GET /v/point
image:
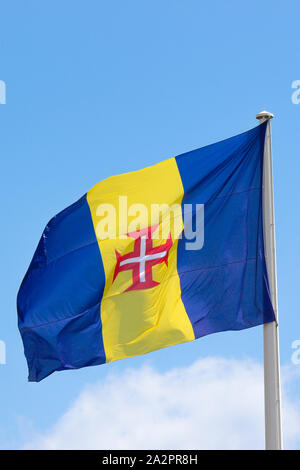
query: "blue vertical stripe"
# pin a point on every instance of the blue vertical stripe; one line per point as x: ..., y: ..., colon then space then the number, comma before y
x: 59, y: 299
x: 224, y: 285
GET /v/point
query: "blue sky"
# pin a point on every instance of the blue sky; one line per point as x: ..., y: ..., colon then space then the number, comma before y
x: 98, y: 88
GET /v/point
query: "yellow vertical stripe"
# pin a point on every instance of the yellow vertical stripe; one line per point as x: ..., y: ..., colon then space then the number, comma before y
x: 139, y: 321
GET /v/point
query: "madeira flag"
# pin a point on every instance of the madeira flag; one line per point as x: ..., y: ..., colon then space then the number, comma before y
x: 122, y: 271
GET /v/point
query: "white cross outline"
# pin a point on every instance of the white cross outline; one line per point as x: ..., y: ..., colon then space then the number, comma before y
x: 143, y: 258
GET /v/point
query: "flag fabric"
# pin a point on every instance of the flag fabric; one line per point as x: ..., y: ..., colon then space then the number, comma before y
x: 89, y: 297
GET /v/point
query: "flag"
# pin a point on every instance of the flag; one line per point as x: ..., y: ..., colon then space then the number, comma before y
x: 150, y: 259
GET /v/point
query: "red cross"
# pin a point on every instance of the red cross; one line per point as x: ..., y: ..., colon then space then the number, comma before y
x: 142, y: 259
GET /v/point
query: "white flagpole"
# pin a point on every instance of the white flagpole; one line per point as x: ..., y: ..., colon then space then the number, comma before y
x: 273, y: 432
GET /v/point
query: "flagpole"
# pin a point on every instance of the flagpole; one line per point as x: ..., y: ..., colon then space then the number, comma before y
x: 273, y: 432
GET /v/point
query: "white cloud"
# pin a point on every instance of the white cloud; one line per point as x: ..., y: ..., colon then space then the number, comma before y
x: 213, y: 404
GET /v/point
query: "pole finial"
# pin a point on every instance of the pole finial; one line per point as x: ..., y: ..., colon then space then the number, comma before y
x: 264, y: 116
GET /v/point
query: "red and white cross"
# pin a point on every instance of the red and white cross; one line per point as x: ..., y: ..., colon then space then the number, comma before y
x: 142, y: 259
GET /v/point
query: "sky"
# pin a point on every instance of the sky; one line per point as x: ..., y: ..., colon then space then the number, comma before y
x: 98, y: 88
